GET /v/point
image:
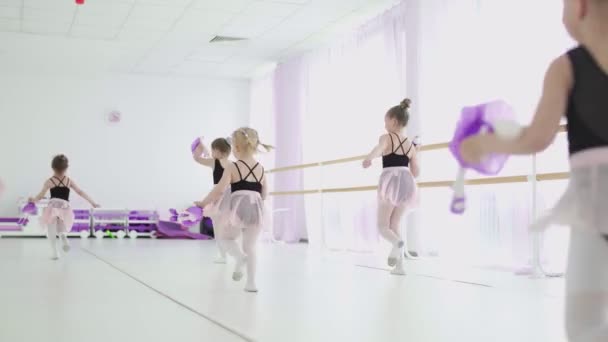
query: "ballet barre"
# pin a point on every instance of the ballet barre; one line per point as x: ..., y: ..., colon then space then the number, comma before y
x: 533, y: 178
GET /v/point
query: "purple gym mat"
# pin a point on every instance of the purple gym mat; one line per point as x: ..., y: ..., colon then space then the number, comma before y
x: 173, y: 230
x: 17, y: 227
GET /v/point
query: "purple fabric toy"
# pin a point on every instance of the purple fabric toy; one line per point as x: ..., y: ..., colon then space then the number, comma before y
x: 196, y: 143
x: 28, y: 210
x: 493, y: 117
x: 188, y: 218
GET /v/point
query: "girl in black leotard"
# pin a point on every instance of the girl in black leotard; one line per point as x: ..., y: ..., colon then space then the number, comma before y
x: 246, y: 206
x: 220, y: 152
x: 58, y: 216
x: 576, y: 86
x: 397, y: 187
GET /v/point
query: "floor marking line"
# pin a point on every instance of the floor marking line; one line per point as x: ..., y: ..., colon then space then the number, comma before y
x: 427, y: 276
x: 189, y: 308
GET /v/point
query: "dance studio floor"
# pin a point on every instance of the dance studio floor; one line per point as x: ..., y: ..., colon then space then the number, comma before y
x: 151, y: 290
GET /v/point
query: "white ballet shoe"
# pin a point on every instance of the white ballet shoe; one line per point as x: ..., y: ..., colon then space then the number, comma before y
x: 398, y: 270
x: 395, y: 254
x: 237, y: 275
x: 251, y: 288
x: 55, y: 252
x: 65, y: 244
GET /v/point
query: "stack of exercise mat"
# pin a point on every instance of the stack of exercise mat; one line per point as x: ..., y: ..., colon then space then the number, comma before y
x: 100, y: 223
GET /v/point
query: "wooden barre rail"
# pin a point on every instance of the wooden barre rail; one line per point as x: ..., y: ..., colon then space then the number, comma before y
x: 423, y: 148
x: 435, y: 184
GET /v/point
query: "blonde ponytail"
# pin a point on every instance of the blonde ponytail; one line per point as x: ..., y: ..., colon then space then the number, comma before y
x: 268, y: 148
x: 248, y: 140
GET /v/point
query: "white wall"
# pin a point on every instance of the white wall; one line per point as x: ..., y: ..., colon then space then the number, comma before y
x: 143, y: 162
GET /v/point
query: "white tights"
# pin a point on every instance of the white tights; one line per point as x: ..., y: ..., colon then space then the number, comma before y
x: 247, y: 256
x: 54, y: 229
x: 389, y: 221
x: 587, y: 288
x: 218, y: 233
x: 389, y: 226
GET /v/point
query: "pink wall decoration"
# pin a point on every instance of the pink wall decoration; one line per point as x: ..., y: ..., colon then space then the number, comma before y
x: 114, y: 117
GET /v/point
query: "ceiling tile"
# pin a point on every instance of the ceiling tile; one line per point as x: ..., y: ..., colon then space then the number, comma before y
x: 195, y: 67
x: 192, y: 39
x: 163, y: 36
x: 320, y: 14
x: 299, y: 2
x: 247, y: 64
x: 157, y: 64
x: 9, y: 25
x: 231, y: 70
x: 150, y: 13
x: 115, y: 1
x: 262, y: 49
x: 271, y: 9
x: 153, y: 17
x: 172, y: 3
x: 10, y: 12
x: 38, y: 14
x: 152, y: 25
x: 213, y: 53
x: 46, y: 27
x: 111, y: 21
x: 228, y: 5
x: 11, y: 3
x: 202, y: 21
x: 167, y: 53
x: 249, y: 27
x: 140, y: 35
x: 287, y: 33
x: 93, y: 32
x: 62, y: 5
x: 105, y: 8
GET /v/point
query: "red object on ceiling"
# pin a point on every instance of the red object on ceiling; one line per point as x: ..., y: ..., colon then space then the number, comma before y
x: 79, y: 2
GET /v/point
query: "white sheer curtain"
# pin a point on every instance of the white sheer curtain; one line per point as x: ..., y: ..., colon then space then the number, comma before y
x: 473, y: 51
x: 444, y: 54
x: 337, y: 97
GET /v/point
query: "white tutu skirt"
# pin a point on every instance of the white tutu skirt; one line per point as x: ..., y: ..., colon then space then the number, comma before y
x: 584, y: 204
x: 58, y: 209
x: 244, y: 210
x: 217, y: 210
x: 398, y: 187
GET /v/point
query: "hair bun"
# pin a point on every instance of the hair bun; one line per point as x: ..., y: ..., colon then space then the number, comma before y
x: 405, y: 104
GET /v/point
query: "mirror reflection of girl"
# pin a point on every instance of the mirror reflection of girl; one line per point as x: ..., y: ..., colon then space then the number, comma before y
x: 220, y: 151
x: 397, y: 187
x: 58, y: 216
x: 246, y: 205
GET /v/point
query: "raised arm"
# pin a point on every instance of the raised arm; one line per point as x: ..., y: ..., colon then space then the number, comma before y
x: 377, y: 151
x: 45, y: 188
x: 82, y: 194
x: 198, y: 153
x: 540, y: 134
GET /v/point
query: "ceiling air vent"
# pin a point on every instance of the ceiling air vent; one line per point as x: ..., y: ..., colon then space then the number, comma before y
x: 221, y: 39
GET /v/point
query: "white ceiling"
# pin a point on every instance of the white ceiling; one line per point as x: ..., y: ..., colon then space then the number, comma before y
x: 170, y: 37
